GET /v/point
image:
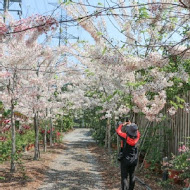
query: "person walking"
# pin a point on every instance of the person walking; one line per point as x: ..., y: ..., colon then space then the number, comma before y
x: 123, y: 129
x: 129, y: 157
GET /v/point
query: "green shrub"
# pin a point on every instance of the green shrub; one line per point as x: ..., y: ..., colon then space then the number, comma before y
x: 5, y: 150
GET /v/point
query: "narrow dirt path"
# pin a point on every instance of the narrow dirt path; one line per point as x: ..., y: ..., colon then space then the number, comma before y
x: 76, y: 168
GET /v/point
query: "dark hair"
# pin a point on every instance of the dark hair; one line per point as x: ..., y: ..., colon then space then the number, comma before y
x: 127, y: 119
x: 124, y: 119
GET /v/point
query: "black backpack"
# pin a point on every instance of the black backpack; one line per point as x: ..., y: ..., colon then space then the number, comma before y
x: 130, y: 153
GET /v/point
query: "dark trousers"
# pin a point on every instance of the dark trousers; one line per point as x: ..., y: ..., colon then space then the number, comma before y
x: 127, y: 169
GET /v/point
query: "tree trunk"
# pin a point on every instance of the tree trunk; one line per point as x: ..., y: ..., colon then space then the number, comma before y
x: 106, y: 136
x: 83, y: 122
x: 135, y: 117
x: 61, y: 125
x: 45, y: 139
x: 36, y: 150
x: 118, y: 139
x: 51, y: 132
x: 109, y: 134
x: 13, y: 138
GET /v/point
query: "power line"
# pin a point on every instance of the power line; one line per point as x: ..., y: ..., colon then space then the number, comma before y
x: 42, y: 71
x: 63, y: 35
x: 7, y: 4
x: 96, y: 14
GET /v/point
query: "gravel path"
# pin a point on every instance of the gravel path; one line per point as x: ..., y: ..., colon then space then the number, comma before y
x: 76, y: 168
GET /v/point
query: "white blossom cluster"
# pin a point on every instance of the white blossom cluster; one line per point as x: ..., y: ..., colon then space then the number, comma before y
x: 172, y: 110
x: 107, y: 75
x: 152, y: 107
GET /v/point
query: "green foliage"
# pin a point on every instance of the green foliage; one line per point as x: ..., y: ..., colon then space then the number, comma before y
x: 24, y: 139
x: 166, y: 185
x: 155, y: 145
x: 21, y: 167
x: 21, y: 141
x: 66, y: 2
x: 2, y: 178
x: 99, y: 134
x: 186, y: 29
x: 109, y: 97
x: 99, y: 33
x: 65, y: 122
x: 185, y: 175
x: 5, y: 150
x: 178, y: 103
x: 65, y: 87
x: 100, y: 4
x: 135, y: 84
x: 104, y: 50
x: 6, y: 113
x: 58, y: 137
x: 143, y: 13
x: 89, y: 73
x: 179, y: 88
x: 98, y: 126
x: 181, y: 161
x: 1, y: 105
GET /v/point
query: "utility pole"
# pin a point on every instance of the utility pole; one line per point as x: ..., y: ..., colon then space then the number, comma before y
x: 63, y: 36
x: 7, y: 7
x: 60, y: 28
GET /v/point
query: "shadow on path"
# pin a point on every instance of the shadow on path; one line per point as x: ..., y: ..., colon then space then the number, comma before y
x: 76, y: 168
x: 75, y: 180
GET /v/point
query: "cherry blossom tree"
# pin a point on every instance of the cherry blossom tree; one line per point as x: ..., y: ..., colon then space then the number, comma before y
x: 118, y: 63
x: 134, y: 72
x: 19, y: 54
x: 130, y: 74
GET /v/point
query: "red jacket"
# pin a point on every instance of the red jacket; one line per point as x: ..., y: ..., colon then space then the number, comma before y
x: 130, y: 141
